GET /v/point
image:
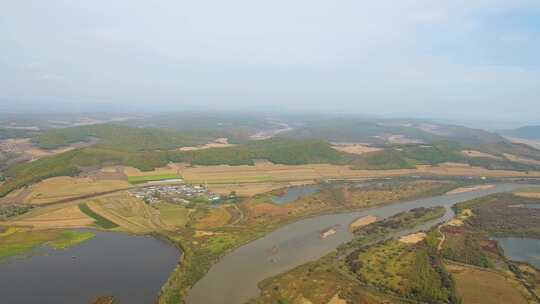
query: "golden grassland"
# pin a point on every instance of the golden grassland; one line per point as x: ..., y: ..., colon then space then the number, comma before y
x: 477, y: 286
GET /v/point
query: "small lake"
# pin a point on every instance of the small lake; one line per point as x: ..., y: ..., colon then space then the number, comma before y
x: 293, y: 193
x: 130, y: 268
x: 234, y: 278
x: 521, y: 249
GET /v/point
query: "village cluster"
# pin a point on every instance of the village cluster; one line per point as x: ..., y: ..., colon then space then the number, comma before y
x: 184, y: 193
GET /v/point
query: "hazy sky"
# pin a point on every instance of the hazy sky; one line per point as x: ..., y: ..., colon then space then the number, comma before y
x: 458, y: 58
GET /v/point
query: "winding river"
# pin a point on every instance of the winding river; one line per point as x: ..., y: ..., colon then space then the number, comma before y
x: 131, y: 268
x: 235, y: 277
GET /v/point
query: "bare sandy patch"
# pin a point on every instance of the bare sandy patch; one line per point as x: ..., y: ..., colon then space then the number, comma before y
x: 413, y: 238
x: 362, y: 221
x: 328, y: 233
x: 475, y: 153
x: 202, y: 233
x: 218, y: 143
x: 354, y: 148
x: 469, y: 189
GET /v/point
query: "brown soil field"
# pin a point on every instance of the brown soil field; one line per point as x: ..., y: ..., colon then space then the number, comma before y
x: 469, y: 189
x: 474, y: 153
x: 354, y: 148
x: 64, y: 187
x: 476, y: 286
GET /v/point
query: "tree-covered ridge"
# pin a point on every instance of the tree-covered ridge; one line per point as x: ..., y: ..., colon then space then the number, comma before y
x: 376, y: 131
x: 118, y: 137
x: 276, y: 150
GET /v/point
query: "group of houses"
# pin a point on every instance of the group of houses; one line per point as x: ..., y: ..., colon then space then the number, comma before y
x: 183, y: 193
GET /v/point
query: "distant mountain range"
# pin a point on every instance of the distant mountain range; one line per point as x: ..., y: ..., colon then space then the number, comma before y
x: 528, y: 132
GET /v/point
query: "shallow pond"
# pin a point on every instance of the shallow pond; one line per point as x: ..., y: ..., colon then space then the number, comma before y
x: 235, y: 277
x: 293, y: 193
x: 130, y: 268
x: 521, y: 249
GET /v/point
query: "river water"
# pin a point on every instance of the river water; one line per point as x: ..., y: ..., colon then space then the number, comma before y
x: 521, y: 249
x: 130, y: 268
x: 235, y: 277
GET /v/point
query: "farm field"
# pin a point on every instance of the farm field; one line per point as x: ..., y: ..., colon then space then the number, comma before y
x: 477, y: 286
x: 264, y: 175
x: 64, y: 187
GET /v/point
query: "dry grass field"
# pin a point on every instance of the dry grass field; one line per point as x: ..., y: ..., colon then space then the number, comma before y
x: 129, y: 213
x: 354, y: 148
x: 64, y: 187
x: 65, y: 216
x: 215, y: 218
x: 476, y: 286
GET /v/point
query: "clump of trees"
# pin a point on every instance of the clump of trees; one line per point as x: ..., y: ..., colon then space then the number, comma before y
x: 8, y: 211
